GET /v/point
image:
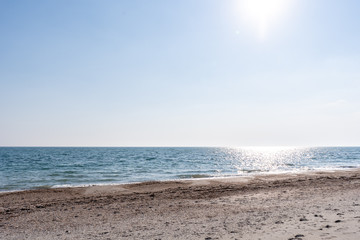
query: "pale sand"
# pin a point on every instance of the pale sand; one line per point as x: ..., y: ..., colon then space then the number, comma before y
x: 312, y: 206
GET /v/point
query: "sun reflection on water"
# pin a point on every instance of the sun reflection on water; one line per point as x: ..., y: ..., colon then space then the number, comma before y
x: 265, y: 159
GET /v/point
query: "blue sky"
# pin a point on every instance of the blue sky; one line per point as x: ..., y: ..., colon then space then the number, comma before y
x: 179, y: 73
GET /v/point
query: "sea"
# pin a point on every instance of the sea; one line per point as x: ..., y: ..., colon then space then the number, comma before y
x: 23, y: 168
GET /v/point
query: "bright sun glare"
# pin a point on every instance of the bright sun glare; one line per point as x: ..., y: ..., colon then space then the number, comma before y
x: 263, y: 14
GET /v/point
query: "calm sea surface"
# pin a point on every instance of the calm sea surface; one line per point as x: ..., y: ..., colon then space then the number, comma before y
x: 37, y: 167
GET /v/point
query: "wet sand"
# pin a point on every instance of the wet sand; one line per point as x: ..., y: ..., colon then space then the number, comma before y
x: 320, y: 205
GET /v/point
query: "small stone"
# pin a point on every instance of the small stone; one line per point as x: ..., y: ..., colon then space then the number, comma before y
x: 299, y: 236
x: 328, y: 226
x: 337, y: 221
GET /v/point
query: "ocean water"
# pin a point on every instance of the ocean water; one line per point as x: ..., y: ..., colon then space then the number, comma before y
x: 45, y: 167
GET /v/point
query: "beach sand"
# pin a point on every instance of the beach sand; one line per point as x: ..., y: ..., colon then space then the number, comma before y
x: 321, y: 205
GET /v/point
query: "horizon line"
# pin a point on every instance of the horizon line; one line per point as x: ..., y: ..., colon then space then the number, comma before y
x: 180, y: 146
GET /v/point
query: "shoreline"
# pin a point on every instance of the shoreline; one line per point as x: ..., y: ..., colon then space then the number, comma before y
x: 275, y: 206
x: 249, y: 175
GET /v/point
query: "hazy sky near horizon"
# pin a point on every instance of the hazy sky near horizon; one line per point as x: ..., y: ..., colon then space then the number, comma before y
x: 180, y: 73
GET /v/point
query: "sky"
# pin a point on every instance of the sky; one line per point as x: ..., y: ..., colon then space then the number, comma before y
x: 180, y: 73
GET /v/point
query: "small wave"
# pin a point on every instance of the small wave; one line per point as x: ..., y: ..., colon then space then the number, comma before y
x: 43, y: 187
x: 69, y: 172
x: 289, y: 164
x: 111, y: 175
x: 107, y: 179
x: 194, y: 176
x: 252, y: 170
x: 90, y: 184
x: 349, y: 166
x: 55, y: 174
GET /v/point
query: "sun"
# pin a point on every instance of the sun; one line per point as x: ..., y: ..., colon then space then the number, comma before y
x: 263, y: 14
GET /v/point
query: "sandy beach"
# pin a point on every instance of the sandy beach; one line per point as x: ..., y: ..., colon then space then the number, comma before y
x: 321, y: 205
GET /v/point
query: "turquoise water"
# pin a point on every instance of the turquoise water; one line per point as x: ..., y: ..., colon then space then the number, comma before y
x: 28, y: 168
